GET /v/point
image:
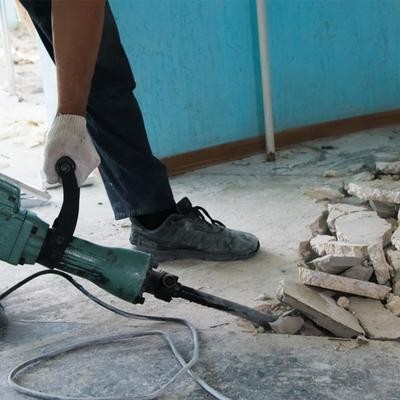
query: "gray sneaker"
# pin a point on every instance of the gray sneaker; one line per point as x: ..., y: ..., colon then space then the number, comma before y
x: 188, y: 234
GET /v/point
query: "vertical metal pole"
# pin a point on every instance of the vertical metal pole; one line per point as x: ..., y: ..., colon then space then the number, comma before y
x: 265, y: 77
x: 7, y: 49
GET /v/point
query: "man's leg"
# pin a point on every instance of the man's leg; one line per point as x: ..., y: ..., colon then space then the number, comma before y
x: 136, y: 182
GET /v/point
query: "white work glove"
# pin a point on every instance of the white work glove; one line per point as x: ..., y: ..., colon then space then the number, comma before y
x: 68, y: 136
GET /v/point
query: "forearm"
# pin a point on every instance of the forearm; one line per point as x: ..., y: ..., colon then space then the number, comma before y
x: 77, y: 30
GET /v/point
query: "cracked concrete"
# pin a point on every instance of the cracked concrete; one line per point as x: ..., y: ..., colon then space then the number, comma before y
x: 266, y: 199
x: 263, y: 198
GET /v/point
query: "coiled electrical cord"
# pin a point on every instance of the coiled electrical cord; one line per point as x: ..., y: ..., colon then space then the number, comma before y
x: 186, y: 366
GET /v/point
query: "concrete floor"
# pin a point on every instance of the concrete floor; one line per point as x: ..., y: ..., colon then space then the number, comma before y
x: 265, y: 199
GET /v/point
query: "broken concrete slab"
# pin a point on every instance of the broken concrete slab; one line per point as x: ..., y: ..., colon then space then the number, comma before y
x: 393, y: 256
x: 381, y: 267
x: 396, y: 239
x: 319, y: 226
x: 318, y: 243
x: 390, y: 168
x: 393, y: 304
x: 364, y: 227
x: 360, y: 272
x: 343, y: 302
x: 378, y: 322
x: 381, y: 190
x: 338, y: 210
x: 320, y: 309
x: 335, y: 248
x: 335, y: 264
x: 384, y: 210
x: 287, y: 325
x: 324, y: 193
x: 342, y: 284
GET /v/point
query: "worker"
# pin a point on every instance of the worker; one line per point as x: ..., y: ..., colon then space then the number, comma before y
x: 99, y: 124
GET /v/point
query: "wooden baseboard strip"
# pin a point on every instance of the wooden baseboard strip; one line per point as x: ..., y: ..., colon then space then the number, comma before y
x: 243, y: 148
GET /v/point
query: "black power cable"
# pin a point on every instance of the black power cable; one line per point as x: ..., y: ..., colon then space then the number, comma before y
x: 186, y: 366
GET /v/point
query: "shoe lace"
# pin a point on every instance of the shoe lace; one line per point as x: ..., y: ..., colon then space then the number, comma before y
x: 202, y: 213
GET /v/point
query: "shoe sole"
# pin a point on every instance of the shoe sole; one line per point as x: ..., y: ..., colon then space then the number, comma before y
x: 170, y: 255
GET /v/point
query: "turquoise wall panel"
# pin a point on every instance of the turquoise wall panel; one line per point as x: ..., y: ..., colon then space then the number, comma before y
x: 333, y: 59
x: 196, y: 67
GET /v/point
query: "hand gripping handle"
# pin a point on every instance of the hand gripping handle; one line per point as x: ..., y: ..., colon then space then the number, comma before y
x: 61, y: 234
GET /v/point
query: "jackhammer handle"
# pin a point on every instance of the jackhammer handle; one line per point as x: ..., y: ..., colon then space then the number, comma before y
x: 68, y: 217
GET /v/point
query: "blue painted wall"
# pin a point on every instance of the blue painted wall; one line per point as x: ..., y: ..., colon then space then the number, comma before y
x: 196, y: 65
x: 333, y: 59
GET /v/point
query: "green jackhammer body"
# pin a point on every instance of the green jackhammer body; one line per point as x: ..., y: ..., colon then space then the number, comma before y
x: 120, y: 272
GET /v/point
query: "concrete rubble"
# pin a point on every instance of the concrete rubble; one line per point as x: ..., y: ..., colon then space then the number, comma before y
x: 380, y: 190
x: 342, y: 284
x: 391, y: 168
x: 378, y: 259
x: 364, y: 227
x: 320, y: 309
x: 393, y: 304
x: 396, y: 239
x: 360, y: 272
x: 377, y: 321
x: 318, y: 243
x: 349, y: 281
x: 393, y: 256
x: 335, y: 264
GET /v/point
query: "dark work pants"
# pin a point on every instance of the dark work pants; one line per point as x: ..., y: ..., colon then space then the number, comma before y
x: 136, y: 182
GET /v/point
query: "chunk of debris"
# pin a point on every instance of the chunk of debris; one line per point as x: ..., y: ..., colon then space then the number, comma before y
x: 364, y: 227
x: 360, y: 272
x: 305, y: 250
x: 343, y: 284
x: 338, y: 210
x: 330, y: 173
x: 390, y: 168
x: 393, y: 257
x: 319, y: 226
x: 381, y: 190
x: 361, y: 340
x: 287, y: 325
x: 377, y: 321
x: 335, y: 264
x: 324, y: 193
x: 396, y: 239
x: 335, y: 248
x: 319, y: 242
x: 343, y: 302
x: 320, y: 309
x: 381, y: 267
x: 384, y: 210
x: 393, y: 304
